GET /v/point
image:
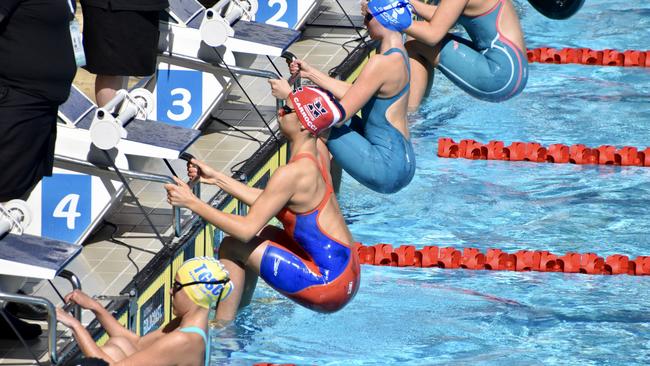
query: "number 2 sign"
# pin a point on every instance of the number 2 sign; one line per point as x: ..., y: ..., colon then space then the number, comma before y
x: 281, y: 13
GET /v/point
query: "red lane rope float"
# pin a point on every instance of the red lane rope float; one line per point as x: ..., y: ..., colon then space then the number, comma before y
x: 533, y: 151
x: 586, y: 56
x: 498, y: 260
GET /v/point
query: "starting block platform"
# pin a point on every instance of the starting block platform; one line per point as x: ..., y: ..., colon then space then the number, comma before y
x: 34, y: 257
x: 187, y: 95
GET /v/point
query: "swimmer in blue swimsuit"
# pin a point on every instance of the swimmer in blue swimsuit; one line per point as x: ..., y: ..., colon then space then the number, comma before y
x: 199, y: 283
x: 311, y: 260
x: 490, y: 66
x: 375, y: 148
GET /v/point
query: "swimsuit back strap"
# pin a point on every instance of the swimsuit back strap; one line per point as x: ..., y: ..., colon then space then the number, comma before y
x: 406, y: 59
x: 206, y: 340
x: 321, y: 167
x: 408, y: 70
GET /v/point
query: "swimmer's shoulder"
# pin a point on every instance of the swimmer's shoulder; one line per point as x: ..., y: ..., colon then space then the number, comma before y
x: 379, y: 64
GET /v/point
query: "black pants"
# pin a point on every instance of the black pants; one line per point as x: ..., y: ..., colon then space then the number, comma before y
x: 120, y: 42
x: 27, y: 138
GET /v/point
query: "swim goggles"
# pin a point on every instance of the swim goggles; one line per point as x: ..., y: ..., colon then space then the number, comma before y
x: 285, y: 110
x: 177, y: 286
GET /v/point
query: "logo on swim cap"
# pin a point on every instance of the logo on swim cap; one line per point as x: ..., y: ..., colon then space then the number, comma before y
x: 395, y: 15
x: 204, y: 269
x: 317, y: 109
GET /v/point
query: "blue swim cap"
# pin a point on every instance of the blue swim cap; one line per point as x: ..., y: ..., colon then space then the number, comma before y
x: 395, y: 15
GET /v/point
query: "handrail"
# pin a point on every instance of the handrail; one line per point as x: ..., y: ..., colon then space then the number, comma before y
x: 213, y: 66
x: 149, y: 177
x: 76, y: 285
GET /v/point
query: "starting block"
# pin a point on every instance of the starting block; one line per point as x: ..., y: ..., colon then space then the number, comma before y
x: 196, y: 44
x: 68, y: 205
x: 25, y: 255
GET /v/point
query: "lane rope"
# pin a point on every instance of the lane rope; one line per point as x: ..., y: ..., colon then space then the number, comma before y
x: 535, y: 152
x: 499, y: 260
x: 587, y: 56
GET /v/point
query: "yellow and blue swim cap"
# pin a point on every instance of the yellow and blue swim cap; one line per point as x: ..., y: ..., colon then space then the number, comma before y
x: 209, y: 272
x: 395, y: 15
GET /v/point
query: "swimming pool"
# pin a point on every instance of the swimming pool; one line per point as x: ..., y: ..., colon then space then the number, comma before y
x: 431, y: 316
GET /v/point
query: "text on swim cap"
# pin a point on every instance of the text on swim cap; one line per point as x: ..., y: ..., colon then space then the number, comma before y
x: 304, y: 115
x: 204, y: 275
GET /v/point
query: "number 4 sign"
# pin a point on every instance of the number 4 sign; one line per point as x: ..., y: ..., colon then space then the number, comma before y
x: 282, y: 13
x: 66, y: 206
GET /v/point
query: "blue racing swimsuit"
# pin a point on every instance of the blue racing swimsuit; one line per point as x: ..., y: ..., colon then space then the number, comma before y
x: 489, y: 67
x: 371, y: 150
x: 206, y: 339
x: 309, y: 266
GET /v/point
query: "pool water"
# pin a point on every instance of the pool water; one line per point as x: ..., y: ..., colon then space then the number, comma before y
x: 431, y: 316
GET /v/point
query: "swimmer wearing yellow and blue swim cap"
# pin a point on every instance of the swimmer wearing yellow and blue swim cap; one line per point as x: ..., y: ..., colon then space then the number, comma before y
x: 204, y: 280
x: 199, y: 283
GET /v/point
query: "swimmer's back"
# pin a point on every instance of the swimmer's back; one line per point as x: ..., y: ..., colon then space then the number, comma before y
x: 310, y: 190
x: 391, y: 67
x: 509, y: 25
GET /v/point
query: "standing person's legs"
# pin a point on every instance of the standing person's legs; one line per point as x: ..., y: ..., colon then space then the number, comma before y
x: 119, y: 44
x: 106, y: 86
x: 27, y: 139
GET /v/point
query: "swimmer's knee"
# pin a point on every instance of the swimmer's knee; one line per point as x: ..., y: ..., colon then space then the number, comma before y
x: 227, y: 248
x: 122, y: 344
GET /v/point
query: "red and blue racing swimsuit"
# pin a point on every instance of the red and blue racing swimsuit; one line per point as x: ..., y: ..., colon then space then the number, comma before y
x: 309, y: 266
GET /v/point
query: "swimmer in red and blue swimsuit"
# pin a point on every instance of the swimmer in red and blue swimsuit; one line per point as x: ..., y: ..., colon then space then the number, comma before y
x: 491, y: 65
x: 311, y: 260
x: 308, y: 265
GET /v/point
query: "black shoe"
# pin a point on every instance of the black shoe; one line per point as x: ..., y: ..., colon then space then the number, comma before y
x: 26, y: 311
x: 27, y: 331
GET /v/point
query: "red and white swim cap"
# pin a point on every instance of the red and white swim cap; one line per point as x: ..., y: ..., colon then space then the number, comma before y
x: 317, y: 109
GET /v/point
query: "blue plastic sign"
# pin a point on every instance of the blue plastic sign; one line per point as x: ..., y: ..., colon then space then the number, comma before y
x: 179, y: 95
x: 66, y: 206
x: 281, y: 13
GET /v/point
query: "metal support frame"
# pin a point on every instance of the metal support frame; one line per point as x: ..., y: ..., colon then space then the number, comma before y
x: 149, y: 177
x: 51, y: 310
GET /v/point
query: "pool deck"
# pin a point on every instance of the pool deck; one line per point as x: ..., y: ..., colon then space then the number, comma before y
x: 103, y: 266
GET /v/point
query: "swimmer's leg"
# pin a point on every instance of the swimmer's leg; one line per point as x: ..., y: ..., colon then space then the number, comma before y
x: 377, y: 165
x: 242, y: 260
x: 423, y: 59
x: 118, y: 348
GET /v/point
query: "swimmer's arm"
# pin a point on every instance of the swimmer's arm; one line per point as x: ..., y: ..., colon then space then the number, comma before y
x: 337, y: 87
x: 424, y: 10
x: 433, y: 31
x: 111, y: 325
x: 87, y: 344
x: 239, y: 190
x: 366, y: 85
x: 275, y: 196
